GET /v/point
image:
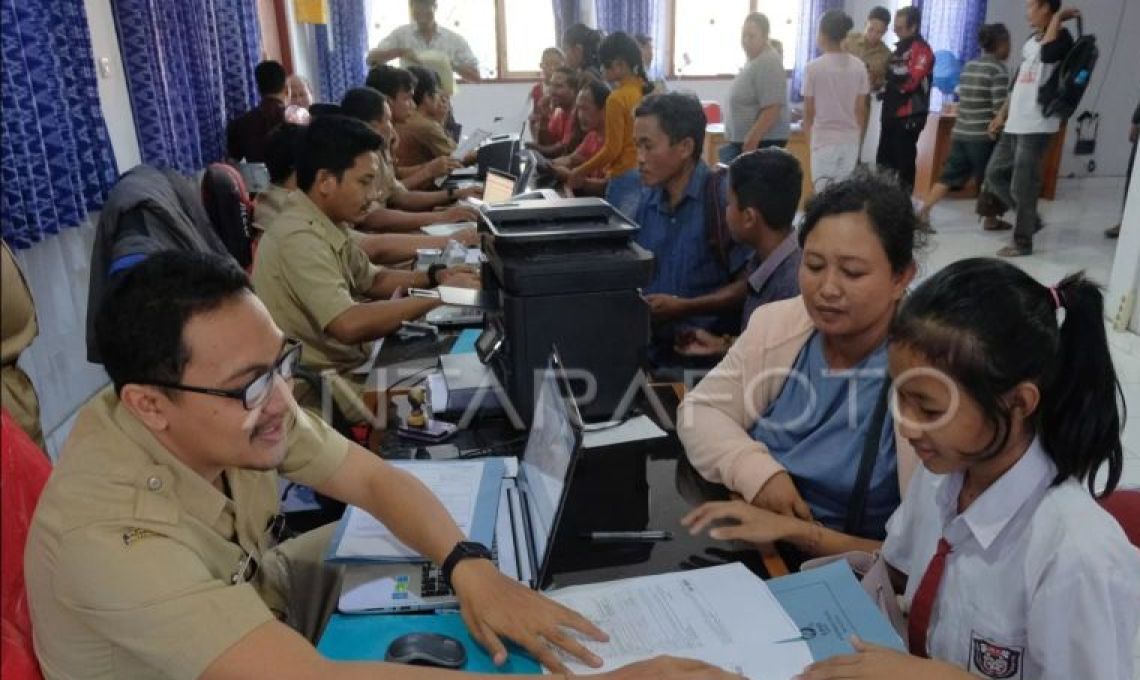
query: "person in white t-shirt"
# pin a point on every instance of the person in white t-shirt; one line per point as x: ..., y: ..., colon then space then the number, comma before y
x: 836, y: 90
x: 425, y: 35
x: 1014, y: 171
x: 1008, y: 566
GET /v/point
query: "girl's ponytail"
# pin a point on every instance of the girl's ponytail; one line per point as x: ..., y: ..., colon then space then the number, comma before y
x: 1081, y: 418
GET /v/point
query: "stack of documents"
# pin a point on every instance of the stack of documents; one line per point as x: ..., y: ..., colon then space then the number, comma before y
x: 723, y: 615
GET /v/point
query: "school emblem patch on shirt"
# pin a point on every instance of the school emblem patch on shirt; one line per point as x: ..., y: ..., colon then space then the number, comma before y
x: 995, y: 661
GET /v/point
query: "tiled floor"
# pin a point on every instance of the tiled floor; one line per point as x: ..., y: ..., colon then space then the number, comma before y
x: 1072, y: 240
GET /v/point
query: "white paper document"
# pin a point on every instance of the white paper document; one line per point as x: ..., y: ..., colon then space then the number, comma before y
x: 455, y: 484
x: 723, y: 615
x: 635, y: 429
x: 469, y: 144
x: 447, y: 229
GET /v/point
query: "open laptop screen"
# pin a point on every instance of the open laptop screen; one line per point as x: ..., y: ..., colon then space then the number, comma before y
x: 498, y: 187
x: 548, y: 459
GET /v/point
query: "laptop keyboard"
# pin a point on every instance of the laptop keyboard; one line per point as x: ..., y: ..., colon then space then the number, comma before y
x: 432, y: 583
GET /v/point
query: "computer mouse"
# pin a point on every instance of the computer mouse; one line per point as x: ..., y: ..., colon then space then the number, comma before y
x: 427, y: 649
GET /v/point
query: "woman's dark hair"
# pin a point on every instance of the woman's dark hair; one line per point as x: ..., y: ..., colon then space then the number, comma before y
x: 391, y: 80
x: 427, y: 83
x: 990, y: 326
x: 679, y: 115
x: 281, y: 151
x: 880, y: 13
x: 835, y: 24
x: 619, y: 45
x: 588, y: 38
x: 599, y: 92
x: 770, y: 182
x: 140, y: 322
x: 992, y: 35
x: 886, y: 205
x: 912, y: 16
x: 332, y: 143
x: 364, y: 104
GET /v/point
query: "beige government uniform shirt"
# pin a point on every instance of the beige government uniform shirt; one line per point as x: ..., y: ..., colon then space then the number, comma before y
x: 876, y: 57
x: 269, y: 204
x: 17, y: 330
x: 422, y: 140
x: 133, y: 560
x: 388, y: 186
x: 308, y: 271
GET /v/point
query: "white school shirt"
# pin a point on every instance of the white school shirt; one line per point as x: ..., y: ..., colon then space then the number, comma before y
x: 1041, y: 583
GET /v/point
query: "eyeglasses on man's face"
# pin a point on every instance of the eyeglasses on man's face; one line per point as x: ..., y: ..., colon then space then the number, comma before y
x: 256, y: 392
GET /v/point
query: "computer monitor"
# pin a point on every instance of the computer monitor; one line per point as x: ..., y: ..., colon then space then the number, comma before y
x: 549, y: 458
x: 499, y: 186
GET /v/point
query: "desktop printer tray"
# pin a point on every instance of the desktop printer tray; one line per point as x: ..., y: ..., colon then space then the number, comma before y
x: 569, y: 267
x: 559, y: 219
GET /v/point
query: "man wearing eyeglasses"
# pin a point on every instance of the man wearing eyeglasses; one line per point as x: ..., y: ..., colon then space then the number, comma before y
x: 151, y: 553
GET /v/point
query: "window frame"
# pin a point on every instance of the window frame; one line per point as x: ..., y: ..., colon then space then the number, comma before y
x: 671, y: 45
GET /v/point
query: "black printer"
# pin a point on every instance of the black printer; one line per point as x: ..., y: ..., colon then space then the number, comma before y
x: 565, y: 272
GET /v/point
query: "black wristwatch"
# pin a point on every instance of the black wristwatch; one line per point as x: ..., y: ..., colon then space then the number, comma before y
x: 464, y: 550
x: 433, y: 274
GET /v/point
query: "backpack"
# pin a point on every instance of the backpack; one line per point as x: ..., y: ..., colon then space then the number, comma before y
x: 230, y: 210
x: 1061, y: 94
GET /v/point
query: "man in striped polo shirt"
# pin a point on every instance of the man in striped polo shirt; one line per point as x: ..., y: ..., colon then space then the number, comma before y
x: 982, y: 90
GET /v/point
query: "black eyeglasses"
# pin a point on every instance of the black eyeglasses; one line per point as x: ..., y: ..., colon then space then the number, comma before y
x: 257, y: 391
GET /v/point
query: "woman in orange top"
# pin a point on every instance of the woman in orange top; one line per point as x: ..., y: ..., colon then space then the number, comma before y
x: 621, y: 64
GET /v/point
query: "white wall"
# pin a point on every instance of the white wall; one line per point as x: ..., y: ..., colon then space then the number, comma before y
x: 1115, y: 87
x: 112, y: 83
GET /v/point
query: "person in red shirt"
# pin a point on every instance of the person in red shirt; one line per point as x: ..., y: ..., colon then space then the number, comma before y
x: 559, y: 136
x: 906, y: 97
x: 539, y: 97
x: 591, y: 105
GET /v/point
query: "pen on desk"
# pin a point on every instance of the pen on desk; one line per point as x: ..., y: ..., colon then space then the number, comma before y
x: 629, y: 536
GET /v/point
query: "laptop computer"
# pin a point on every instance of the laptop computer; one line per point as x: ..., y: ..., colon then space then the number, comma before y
x: 530, y: 508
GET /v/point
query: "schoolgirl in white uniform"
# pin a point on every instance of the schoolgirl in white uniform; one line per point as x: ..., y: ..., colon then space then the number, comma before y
x: 1007, y: 565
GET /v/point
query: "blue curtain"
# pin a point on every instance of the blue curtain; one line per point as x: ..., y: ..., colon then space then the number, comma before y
x: 953, y: 25
x: 56, y: 160
x: 631, y: 16
x: 566, y: 14
x: 810, y: 14
x: 189, y: 67
x: 341, y: 47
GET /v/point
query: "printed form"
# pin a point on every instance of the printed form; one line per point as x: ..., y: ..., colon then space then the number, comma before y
x: 723, y: 615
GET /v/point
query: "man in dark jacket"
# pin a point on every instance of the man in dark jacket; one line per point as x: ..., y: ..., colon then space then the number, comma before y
x: 906, y: 97
x: 246, y: 134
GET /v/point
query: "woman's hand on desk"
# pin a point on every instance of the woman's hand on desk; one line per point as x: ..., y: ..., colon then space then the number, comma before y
x: 494, y: 606
x: 871, y: 662
x: 752, y: 524
x: 779, y: 494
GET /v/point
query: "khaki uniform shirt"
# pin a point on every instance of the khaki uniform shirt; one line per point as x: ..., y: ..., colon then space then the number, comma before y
x: 308, y: 271
x: 875, y: 57
x: 17, y: 330
x: 269, y: 204
x: 388, y: 186
x: 422, y: 140
x: 133, y: 561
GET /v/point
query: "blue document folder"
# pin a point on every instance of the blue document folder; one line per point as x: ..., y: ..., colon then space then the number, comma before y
x: 366, y: 638
x: 465, y: 343
x: 829, y: 605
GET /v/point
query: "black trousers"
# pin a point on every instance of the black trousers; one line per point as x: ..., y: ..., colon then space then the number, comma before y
x: 898, y: 147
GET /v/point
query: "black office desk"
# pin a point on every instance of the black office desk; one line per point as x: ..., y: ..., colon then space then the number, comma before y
x: 628, y: 487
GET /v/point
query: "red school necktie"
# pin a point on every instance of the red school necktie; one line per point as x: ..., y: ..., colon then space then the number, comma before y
x: 922, y: 606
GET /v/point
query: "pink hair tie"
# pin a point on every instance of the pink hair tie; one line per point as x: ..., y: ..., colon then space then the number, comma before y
x: 1058, y: 302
